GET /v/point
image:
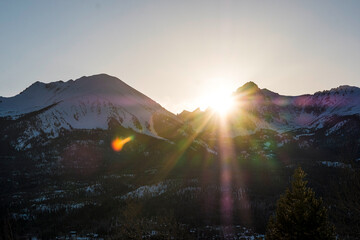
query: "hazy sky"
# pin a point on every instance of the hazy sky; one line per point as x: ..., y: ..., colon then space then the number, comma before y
x: 174, y: 51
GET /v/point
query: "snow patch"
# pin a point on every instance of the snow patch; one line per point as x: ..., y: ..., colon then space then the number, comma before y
x: 147, y: 191
x: 335, y: 164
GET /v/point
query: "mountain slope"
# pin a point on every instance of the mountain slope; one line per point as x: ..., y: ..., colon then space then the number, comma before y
x: 95, y: 102
x: 63, y: 174
x: 262, y: 109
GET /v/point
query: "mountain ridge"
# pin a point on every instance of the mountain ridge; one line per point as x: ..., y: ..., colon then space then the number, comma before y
x: 58, y: 160
x: 86, y: 103
x: 102, y: 101
x: 263, y: 109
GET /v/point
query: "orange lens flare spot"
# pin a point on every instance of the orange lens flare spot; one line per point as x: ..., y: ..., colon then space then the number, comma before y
x: 118, y: 143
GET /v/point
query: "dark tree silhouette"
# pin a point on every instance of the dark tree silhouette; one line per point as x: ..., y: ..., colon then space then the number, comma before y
x: 299, y: 214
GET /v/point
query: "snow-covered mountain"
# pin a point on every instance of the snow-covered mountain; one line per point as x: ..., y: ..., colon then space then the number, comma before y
x: 56, y: 157
x: 263, y: 109
x: 95, y: 102
x: 103, y: 102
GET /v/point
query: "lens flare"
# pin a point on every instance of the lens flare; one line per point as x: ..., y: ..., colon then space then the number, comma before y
x: 118, y: 143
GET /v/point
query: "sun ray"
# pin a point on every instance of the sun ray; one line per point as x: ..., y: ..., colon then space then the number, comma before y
x: 231, y: 176
x: 177, y: 155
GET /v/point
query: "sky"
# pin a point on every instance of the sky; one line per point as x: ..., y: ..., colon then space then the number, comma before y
x: 176, y: 52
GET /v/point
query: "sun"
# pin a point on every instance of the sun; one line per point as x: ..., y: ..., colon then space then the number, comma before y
x: 221, y: 103
x: 219, y: 99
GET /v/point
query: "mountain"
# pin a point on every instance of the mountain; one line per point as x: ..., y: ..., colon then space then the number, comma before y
x: 330, y: 111
x: 95, y: 102
x: 59, y: 173
x: 103, y: 102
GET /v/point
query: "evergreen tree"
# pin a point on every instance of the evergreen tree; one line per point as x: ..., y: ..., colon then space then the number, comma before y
x: 299, y: 215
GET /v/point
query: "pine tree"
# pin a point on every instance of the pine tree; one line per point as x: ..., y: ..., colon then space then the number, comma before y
x: 299, y: 215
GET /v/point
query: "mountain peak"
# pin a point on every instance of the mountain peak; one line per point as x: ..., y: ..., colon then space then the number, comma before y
x: 101, y: 76
x: 248, y: 88
x: 341, y: 90
x: 100, y: 88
